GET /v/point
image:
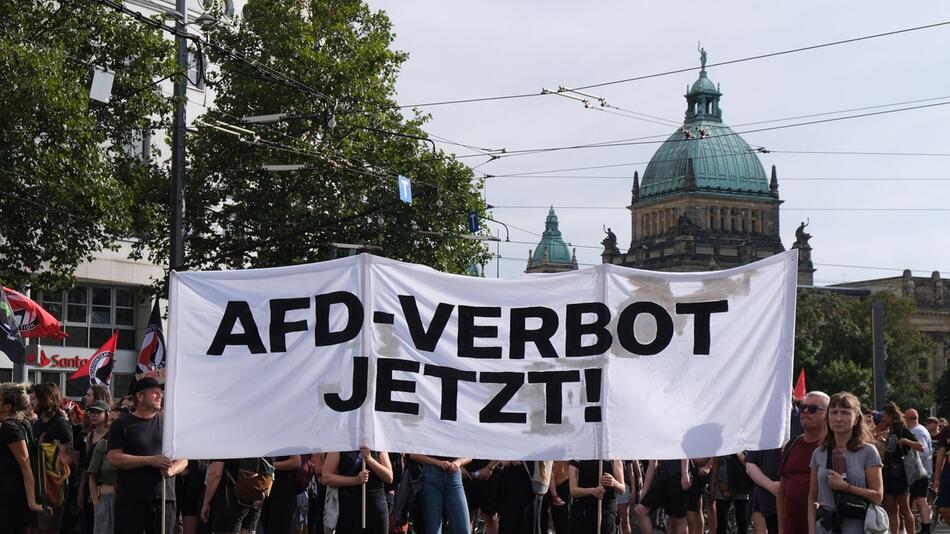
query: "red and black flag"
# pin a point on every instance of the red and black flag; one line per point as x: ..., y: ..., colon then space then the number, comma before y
x: 34, y: 321
x: 10, y: 341
x: 152, y: 353
x: 97, y: 370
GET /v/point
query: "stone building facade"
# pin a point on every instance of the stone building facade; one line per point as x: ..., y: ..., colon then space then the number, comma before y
x: 932, y: 297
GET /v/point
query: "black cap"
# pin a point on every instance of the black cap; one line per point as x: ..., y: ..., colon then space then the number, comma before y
x: 145, y: 383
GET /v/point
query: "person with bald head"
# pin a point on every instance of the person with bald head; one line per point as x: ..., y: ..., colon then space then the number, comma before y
x: 919, y: 489
x: 795, y: 467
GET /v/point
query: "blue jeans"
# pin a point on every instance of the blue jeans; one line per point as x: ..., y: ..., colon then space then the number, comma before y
x: 442, y: 493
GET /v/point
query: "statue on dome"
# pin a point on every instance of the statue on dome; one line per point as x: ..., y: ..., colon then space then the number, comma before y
x: 702, y: 54
x: 610, y: 242
x: 801, y: 236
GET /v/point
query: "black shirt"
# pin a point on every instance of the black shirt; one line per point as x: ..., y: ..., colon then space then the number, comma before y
x: 588, y: 477
x: 768, y: 462
x: 139, y: 437
x: 285, y: 487
x: 11, y: 477
x: 56, y: 429
x: 893, y: 453
x: 669, y: 468
x: 351, y: 464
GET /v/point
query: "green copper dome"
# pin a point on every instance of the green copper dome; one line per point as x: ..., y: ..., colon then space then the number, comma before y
x: 721, y: 161
x: 552, y: 248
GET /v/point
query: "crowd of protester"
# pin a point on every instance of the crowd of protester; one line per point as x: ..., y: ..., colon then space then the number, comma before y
x: 97, y: 467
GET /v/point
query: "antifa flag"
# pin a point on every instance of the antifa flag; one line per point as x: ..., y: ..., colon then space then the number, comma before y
x: 98, y: 370
x: 34, y: 321
x: 10, y: 341
x: 152, y: 353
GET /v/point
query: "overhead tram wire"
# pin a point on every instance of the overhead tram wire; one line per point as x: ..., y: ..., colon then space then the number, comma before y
x: 269, y: 73
x: 530, y: 151
x: 783, y: 119
x: 686, y: 69
x: 783, y: 179
x: 611, y: 208
x: 760, y: 150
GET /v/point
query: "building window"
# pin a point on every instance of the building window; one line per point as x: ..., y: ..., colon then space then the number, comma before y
x: 91, y: 314
x: 196, y: 70
x: 6, y: 375
x: 140, y: 144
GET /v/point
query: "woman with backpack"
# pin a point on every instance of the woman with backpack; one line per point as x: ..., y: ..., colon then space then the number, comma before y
x: 17, y: 496
x: 898, y: 440
x: 845, y: 471
x: 349, y: 471
x: 51, y: 426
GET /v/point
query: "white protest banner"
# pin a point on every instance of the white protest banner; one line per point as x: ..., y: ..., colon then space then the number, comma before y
x: 605, y: 362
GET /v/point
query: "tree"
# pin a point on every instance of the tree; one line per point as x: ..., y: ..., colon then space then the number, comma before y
x: 347, y: 130
x: 66, y: 181
x: 833, y: 344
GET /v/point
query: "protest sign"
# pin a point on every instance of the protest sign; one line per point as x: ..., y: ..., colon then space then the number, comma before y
x: 605, y: 362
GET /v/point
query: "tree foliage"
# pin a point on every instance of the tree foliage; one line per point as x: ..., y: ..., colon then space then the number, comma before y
x: 66, y: 184
x: 833, y: 343
x: 354, y: 143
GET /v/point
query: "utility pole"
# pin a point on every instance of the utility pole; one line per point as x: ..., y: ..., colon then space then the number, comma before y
x: 879, y: 356
x: 176, y: 258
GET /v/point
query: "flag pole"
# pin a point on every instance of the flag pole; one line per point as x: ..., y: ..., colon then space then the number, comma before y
x: 364, y: 506
x: 600, y: 510
x: 164, y: 491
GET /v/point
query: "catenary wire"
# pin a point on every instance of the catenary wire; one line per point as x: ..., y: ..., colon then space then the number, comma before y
x: 686, y: 69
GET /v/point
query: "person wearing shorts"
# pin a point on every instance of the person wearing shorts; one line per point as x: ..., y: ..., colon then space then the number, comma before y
x: 666, y: 486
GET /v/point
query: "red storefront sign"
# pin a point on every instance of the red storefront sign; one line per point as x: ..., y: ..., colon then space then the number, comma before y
x: 55, y: 361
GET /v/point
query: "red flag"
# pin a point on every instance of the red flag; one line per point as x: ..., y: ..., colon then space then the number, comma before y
x: 800, y: 385
x: 152, y: 353
x: 97, y: 370
x: 33, y: 320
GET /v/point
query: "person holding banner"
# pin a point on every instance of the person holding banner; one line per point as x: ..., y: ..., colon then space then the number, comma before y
x: 17, y: 492
x: 145, y: 483
x: 595, y: 484
x: 442, y: 493
x: 373, y: 471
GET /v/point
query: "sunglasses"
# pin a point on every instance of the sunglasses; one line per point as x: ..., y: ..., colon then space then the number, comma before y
x: 811, y: 408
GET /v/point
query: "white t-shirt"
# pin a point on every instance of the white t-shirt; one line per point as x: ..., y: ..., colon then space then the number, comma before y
x: 926, y: 455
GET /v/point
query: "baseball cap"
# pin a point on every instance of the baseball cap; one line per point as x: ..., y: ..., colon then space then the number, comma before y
x: 101, y: 406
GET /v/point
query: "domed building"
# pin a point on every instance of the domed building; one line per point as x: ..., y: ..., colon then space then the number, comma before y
x: 551, y: 254
x: 705, y: 201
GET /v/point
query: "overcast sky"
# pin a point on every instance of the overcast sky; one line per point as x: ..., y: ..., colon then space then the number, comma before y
x: 475, y: 49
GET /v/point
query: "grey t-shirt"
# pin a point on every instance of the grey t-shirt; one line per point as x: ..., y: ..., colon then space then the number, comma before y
x: 857, y: 463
